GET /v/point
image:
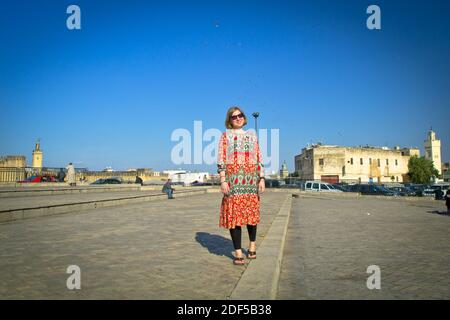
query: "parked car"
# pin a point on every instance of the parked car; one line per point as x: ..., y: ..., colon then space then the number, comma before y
x: 320, y: 187
x: 289, y: 186
x: 371, y: 189
x: 38, y: 179
x: 402, y: 191
x: 108, y: 181
x: 272, y: 183
x: 200, y: 184
x: 439, y: 191
x: 342, y: 187
x: 428, y: 191
x: 416, y: 188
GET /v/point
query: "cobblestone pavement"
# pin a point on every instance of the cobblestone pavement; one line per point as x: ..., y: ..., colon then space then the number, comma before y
x: 331, y: 242
x: 165, y: 249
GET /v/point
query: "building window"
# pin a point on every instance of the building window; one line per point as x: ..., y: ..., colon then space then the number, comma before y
x: 396, y: 178
x: 361, y: 161
x: 351, y: 160
x: 396, y: 162
x: 321, y: 162
x: 387, y: 162
x: 378, y: 162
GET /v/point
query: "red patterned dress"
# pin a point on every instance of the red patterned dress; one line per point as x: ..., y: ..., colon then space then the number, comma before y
x: 239, y: 156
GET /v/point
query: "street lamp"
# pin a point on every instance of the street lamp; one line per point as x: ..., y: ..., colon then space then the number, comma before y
x: 256, y: 115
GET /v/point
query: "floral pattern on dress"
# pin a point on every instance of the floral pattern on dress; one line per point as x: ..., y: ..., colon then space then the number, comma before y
x: 239, y: 156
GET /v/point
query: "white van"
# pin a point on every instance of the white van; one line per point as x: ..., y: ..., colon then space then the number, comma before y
x: 320, y: 186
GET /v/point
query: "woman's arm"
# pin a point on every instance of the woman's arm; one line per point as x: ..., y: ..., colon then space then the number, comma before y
x: 260, y: 169
x: 221, y: 163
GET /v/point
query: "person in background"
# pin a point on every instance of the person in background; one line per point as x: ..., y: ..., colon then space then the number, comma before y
x: 61, y: 175
x: 71, y: 175
x: 439, y: 194
x: 167, y: 188
x: 139, y: 180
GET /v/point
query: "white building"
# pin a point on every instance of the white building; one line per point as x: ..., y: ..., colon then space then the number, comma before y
x: 187, y: 178
x: 433, y: 150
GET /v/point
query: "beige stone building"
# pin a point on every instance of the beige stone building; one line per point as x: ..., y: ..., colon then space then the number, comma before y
x: 12, y: 168
x: 13, y: 162
x: 353, y: 164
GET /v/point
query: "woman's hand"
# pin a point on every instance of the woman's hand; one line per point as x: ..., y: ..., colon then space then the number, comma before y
x: 261, y: 186
x: 225, y: 188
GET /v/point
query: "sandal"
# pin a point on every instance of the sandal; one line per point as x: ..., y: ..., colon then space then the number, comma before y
x: 251, y: 254
x: 238, y: 261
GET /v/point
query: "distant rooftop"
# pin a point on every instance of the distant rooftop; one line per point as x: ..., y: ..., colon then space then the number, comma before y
x: 319, y: 144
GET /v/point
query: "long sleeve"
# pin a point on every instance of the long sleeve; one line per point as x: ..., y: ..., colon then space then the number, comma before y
x: 259, y: 161
x: 222, y: 153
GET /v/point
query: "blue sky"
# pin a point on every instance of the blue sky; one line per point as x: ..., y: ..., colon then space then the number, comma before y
x: 112, y: 93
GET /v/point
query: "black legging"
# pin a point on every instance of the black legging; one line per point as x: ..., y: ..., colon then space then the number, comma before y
x: 236, y: 235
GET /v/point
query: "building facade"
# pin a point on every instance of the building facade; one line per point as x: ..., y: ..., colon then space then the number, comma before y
x: 13, y: 162
x: 12, y: 168
x: 433, y: 150
x: 353, y: 164
x: 187, y: 178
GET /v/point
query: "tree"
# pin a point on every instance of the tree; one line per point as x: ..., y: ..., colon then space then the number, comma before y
x: 421, y: 170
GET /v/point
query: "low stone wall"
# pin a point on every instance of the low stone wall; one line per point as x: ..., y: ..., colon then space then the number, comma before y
x: 12, y: 174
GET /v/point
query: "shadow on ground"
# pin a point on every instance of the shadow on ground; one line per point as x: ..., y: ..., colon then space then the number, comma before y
x: 442, y: 213
x: 215, y: 244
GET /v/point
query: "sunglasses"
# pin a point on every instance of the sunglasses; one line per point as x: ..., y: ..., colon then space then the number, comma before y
x: 238, y: 116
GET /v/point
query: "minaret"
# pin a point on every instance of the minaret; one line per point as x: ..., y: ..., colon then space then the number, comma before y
x: 37, y: 156
x: 433, y: 150
x: 284, y: 173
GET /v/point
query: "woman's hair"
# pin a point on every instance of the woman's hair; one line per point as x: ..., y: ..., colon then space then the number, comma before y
x: 230, y: 111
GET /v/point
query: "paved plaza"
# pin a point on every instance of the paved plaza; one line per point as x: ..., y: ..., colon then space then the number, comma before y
x: 151, y: 250
x: 331, y: 242
x: 174, y: 249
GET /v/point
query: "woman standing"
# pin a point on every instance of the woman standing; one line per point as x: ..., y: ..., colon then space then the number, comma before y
x: 241, y: 182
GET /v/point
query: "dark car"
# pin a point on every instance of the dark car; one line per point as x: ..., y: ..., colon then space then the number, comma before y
x: 439, y: 191
x: 428, y: 191
x: 416, y: 188
x: 342, y: 187
x: 200, y: 184
x: 108, y: 181
x: 290, y: 186
x: 273, y: 183
x: 371, y: 189
x: 402, y: 191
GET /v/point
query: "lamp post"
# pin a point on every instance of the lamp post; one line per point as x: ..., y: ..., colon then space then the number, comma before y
x: 256, y: 115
